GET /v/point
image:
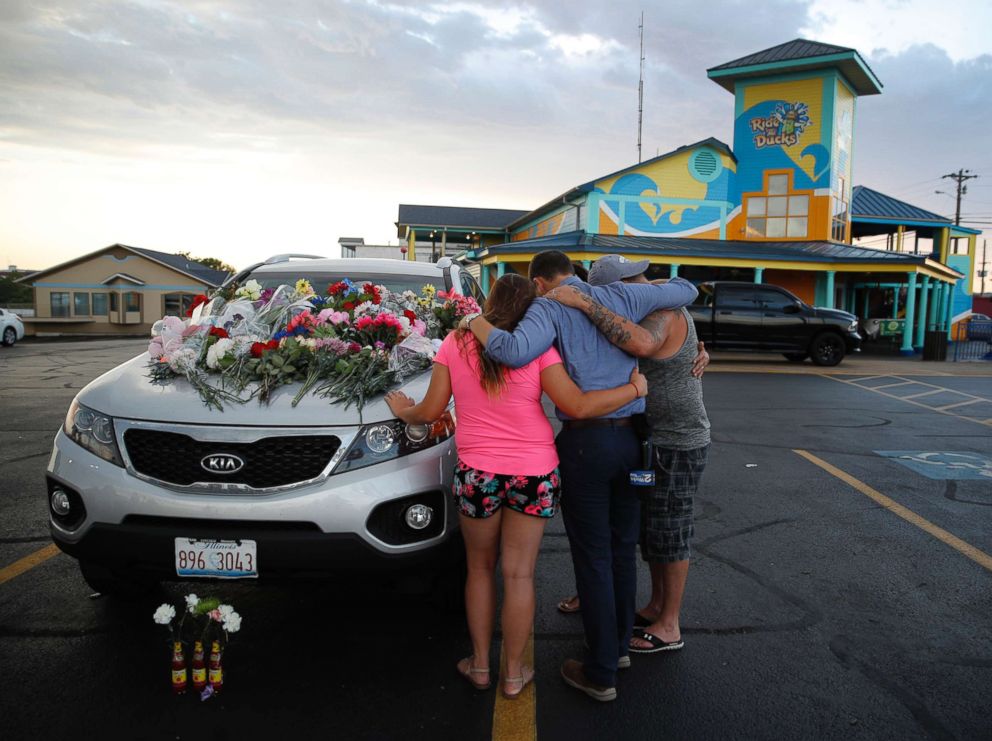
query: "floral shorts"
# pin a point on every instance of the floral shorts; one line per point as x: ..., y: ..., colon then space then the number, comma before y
x: 480, y: 494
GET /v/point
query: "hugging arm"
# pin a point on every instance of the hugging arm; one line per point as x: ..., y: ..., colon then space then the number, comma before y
x: 532, y: 336
x: 580, y: 404
x: 641, y: 340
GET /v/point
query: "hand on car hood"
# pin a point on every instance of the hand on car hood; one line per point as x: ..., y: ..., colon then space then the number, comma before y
x: 128, y: 392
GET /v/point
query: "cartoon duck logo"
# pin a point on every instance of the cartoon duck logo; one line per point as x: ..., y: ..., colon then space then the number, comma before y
x: 783, y: 127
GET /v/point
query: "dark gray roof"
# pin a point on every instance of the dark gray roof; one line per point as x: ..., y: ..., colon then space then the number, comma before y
x: 868, y: 203
x: 795, y: 49
x: 456, y: 217
x: 196, y: 269
x: 812, y: 251
x: 799, y: 55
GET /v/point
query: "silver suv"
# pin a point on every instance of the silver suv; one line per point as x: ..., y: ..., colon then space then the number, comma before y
x: 145, y: 483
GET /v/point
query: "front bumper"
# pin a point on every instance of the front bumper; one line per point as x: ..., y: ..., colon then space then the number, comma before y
x: 345, y: 523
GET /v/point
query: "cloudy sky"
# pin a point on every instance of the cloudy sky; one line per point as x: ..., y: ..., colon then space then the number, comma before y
x: 243, y: 128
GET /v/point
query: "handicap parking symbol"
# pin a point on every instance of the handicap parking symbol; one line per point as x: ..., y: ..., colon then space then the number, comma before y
x: 943, y: 465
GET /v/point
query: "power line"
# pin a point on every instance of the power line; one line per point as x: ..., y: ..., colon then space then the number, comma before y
x: 960, y: 178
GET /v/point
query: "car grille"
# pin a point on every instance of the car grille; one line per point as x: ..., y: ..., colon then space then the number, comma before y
x: 174, y: 458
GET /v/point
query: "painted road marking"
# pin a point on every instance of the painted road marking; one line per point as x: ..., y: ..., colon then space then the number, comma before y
x: 959, y: 404
x: 890, y: 385
x: 516, y: 720
x: 980, y: 557
x: 986, y: 422
x: 917, y: 396
x: 28, y: 562
x: 943, y: 465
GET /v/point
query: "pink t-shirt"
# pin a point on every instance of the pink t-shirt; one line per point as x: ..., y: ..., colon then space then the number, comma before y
x: 510, y: 433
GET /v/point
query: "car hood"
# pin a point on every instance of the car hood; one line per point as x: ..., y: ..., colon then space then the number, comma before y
x: 128, y: 392
x: 835, y: 314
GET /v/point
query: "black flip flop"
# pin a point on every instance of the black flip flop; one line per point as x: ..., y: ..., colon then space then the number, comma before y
x: 656, y: 643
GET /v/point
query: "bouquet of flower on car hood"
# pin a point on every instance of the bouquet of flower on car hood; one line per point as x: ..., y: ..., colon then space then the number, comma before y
x: 346, y: 345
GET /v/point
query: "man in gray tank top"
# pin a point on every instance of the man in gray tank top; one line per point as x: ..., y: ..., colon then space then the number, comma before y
x: 679, y: 434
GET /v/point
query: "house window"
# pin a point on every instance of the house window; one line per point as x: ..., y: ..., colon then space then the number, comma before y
x: 838, y: 221
x: 176, y: 304
x: 60, y: 304
x: 114, y: 302
x: 81, y: 304
x: 99, y: 304
x: 779, y: 214
x: 132, y: 301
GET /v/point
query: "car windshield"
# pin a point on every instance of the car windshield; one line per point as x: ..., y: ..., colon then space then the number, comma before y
x: 395, y: 282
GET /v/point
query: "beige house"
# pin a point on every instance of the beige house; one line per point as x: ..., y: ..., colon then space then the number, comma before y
x: 116, y: 290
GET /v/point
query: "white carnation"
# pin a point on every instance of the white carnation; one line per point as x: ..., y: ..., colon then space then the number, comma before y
x: 164, y: 614
x: 183, y: 360
x: 225, y: 610
x: 217, y: 351
x: 191, y: 602
x: 232, y: 622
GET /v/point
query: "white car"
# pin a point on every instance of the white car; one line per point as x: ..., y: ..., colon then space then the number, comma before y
x: 11, y: 327
x: 143, y: 474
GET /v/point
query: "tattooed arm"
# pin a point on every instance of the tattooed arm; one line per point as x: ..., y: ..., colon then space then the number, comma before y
x: 641, y: 340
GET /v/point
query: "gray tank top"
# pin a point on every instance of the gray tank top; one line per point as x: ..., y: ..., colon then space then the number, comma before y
x: 675, y: 408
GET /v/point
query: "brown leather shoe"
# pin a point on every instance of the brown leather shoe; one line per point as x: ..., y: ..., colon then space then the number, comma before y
x: 575, y: 676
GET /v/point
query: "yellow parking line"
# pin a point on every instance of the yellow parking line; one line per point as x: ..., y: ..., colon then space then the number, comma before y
x: 987, y: 422
x: 516, y: 720
x: 978, y: 556
x: 28, y: 562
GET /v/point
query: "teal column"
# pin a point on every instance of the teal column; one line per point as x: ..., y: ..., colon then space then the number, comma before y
x: 867, y: 290
x: 500, y: 269
x: 907, y: 328
x: 921, y: 323
x: 941, y: 303
x: 587, y: 264
x: 949, y: 310
x: 932, y: 306
x: 759, y: 274
x: 673, y: 270
x: 484, y: 274
x: 895, y: 302
x: 830, y: 289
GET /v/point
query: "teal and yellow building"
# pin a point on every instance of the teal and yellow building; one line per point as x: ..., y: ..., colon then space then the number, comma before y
x: 777, y: 207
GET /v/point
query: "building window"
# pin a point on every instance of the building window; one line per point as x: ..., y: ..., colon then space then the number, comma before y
x: 176, y: 304
x: 132, y: 301
x: 778, y: 214
x: 99, y: 304
x: 60, y: 304
x: 81, y: 304
x: 114, y: 302
x: 838, y: 220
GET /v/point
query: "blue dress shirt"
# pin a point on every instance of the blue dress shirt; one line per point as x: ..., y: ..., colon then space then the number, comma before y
x: 590, y: 359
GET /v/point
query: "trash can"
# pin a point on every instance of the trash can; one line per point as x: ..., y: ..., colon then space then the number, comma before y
x: 935, y: 344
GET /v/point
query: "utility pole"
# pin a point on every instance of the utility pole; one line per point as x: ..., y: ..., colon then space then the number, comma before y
x: 984, y: 271
x: 640, y: 90
x: 959, y: 177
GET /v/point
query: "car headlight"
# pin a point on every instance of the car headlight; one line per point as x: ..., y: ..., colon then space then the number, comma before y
x: 386, y: 441
x: 93, y: 431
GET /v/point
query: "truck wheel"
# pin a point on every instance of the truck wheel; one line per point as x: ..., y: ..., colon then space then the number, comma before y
x: 113, y: 584
x: 827, y: 349
x: 796, y: 357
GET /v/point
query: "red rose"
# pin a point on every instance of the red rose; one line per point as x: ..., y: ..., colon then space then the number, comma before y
x: 197, y: 301
x: 218, y: 332
x: 257, y: 348
x: 348, y: 305
x: 410, y: 315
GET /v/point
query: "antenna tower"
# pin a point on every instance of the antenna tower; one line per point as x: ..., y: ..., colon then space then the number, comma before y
x: 640, y: 89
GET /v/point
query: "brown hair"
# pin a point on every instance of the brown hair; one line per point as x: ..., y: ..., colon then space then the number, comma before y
x: 505, y: 307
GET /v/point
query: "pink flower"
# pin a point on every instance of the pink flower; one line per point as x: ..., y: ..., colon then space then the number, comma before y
x: 330, y: 316
x: 215, y: 615
x: 304, y: 319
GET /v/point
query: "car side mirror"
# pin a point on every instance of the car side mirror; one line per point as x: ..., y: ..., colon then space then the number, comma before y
x: 791, y: 309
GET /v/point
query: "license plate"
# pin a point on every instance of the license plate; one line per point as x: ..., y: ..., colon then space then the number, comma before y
x: 223, y: 559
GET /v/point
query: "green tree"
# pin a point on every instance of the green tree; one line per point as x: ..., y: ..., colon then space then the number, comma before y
x: 210, y: 262
x: 15, y: 293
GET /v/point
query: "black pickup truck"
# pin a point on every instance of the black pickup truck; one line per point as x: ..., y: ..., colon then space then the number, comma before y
x: 757, y: 317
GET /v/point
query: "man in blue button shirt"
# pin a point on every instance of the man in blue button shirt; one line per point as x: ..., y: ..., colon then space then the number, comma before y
x: 600, y: 507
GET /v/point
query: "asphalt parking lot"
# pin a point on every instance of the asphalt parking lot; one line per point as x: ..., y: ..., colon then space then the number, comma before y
x: 841, y: 587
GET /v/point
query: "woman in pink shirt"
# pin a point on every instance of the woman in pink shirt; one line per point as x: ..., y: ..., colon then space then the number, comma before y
x: 506, y: 479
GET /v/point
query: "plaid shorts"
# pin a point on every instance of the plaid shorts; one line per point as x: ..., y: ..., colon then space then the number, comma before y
x: 666, y: 511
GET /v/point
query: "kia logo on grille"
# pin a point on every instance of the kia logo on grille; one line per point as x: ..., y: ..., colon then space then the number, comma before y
x: 222, y: 463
